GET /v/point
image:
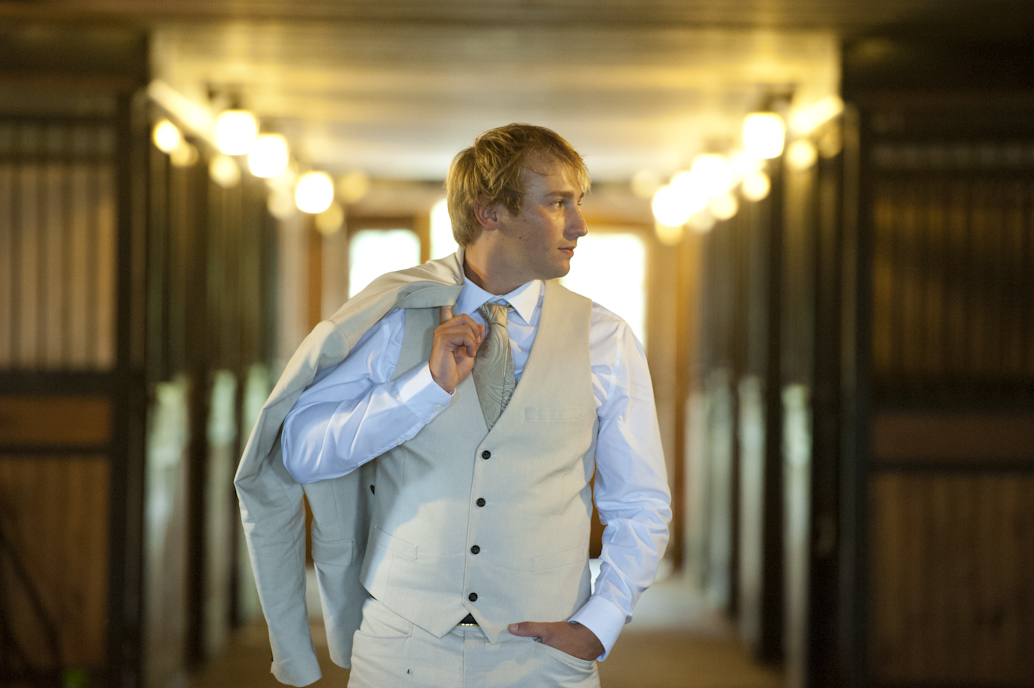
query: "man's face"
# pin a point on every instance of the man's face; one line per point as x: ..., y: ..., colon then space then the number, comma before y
x: 539, y: 242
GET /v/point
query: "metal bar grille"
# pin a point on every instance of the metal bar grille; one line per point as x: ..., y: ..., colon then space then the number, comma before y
x: 953, y: 279
x: 57, y: 245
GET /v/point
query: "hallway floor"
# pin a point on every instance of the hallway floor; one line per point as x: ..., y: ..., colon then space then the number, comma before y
x: 672, y: 643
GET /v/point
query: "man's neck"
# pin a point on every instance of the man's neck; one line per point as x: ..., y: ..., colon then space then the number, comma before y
x: 478, y: 269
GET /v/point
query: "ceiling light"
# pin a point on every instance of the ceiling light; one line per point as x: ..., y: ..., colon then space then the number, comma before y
x: 672, y: 205
x: 807, y: 119
x: 235, y: 131
x: 268, y: 157
x: 314, y: 193
x: 743, y: 163
x: 712, y: 174
x: 667, y: 234
x: 801, y: 154
x: 756, y: 186
x: 224, y: 171
x: 723, y: 207
x: 185, y: 155
x: 691, y: 190
x: 166, y: 136
x: 764, y: 134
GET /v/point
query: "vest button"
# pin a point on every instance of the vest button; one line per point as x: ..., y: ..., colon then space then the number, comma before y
x: 475, y: 549
x: 486, y: 454
x: 473, y: 597
x: 481, y: 501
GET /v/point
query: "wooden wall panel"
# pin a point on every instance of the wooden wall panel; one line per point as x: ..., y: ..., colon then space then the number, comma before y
x: 950, y: 569
x: 48, y: 420
x: 933, y: 438
x: 54, y: 512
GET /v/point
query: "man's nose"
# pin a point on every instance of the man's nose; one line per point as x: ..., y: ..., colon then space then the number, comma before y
x: 576, y: 226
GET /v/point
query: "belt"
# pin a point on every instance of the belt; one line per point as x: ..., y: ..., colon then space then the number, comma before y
x: 468, y: 620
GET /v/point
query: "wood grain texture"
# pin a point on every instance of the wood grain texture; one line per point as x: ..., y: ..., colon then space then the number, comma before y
x: 53, y: 421
x: 950, y: 566
x: 974, y: 438
x: 54, y: 512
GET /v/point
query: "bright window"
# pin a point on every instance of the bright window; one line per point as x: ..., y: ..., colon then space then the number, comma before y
x: 442, y: 241
x: 610, y: 269
x: 373, y: 252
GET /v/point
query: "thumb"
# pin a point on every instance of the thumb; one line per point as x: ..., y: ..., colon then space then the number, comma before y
x: 526, y: 628
x: 444, y: 313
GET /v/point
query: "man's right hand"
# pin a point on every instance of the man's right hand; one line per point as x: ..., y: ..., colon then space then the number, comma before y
x: 456, y: 341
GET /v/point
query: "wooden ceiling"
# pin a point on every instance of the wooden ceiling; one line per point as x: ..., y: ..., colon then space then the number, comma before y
x: 397, y: 87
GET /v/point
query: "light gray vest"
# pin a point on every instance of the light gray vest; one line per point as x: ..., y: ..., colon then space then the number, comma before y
x: 532, y: 470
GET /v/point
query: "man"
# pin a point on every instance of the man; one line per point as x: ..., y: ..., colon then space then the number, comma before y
x: 487, y: 415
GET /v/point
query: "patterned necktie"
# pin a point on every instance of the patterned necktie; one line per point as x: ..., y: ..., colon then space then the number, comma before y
x: 493, y: 366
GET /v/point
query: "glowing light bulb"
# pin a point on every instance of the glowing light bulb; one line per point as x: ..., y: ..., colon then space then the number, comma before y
x: 224, y: 171
x: 166, y: 136
x: 185, y: 155
x: 314, y: 193
x: 723, y: 207
x: 801, y: 154
x: 807, y: 119
x: 712, y: 173
x: 756, y: 186
x: 667, y: 234
x: 235, y: 131
x: 670, y: 207
x: 690, y: 191
x: 764, y: 134
x: 268, y: 157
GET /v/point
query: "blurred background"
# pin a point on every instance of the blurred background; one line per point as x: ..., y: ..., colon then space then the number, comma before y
x: 817, y: 215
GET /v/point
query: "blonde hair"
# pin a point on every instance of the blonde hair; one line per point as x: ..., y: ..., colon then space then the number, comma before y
x: 492, y: 171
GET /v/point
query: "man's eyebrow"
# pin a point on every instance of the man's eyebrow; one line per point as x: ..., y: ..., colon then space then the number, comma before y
x: 567, y: 194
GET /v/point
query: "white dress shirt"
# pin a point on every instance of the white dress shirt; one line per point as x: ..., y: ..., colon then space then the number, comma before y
x: 355, y: 412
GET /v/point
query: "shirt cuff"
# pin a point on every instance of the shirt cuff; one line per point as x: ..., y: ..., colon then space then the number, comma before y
x: 421, y: 394
x: 602, y: 618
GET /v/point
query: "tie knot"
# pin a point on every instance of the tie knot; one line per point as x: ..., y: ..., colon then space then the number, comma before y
x: 494, y: 313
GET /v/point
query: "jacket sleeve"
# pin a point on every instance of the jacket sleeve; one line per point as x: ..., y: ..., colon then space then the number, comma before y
x: 274, y: 524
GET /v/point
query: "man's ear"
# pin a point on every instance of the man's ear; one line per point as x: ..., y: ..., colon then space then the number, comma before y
x: 487, y: 215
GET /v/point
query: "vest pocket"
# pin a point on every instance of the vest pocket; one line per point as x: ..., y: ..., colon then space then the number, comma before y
x: 578, y: 555
x: 553, y: 413
x: 382, y: 539
x: 332, y: 552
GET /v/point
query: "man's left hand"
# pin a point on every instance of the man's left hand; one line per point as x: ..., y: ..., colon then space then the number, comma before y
x: 572, y: 638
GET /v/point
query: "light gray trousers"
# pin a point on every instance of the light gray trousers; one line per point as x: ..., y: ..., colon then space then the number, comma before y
x: 389, y: 651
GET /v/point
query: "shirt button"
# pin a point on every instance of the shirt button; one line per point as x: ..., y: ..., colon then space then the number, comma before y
x: 399, y: 441
x: 475, y: 549
x: 473, y: 597
x: 437, y: 407
x: 481, y: 501
x: 486, y: 454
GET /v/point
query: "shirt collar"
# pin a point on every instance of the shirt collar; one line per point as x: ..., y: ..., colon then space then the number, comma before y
x: 523, y: 299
